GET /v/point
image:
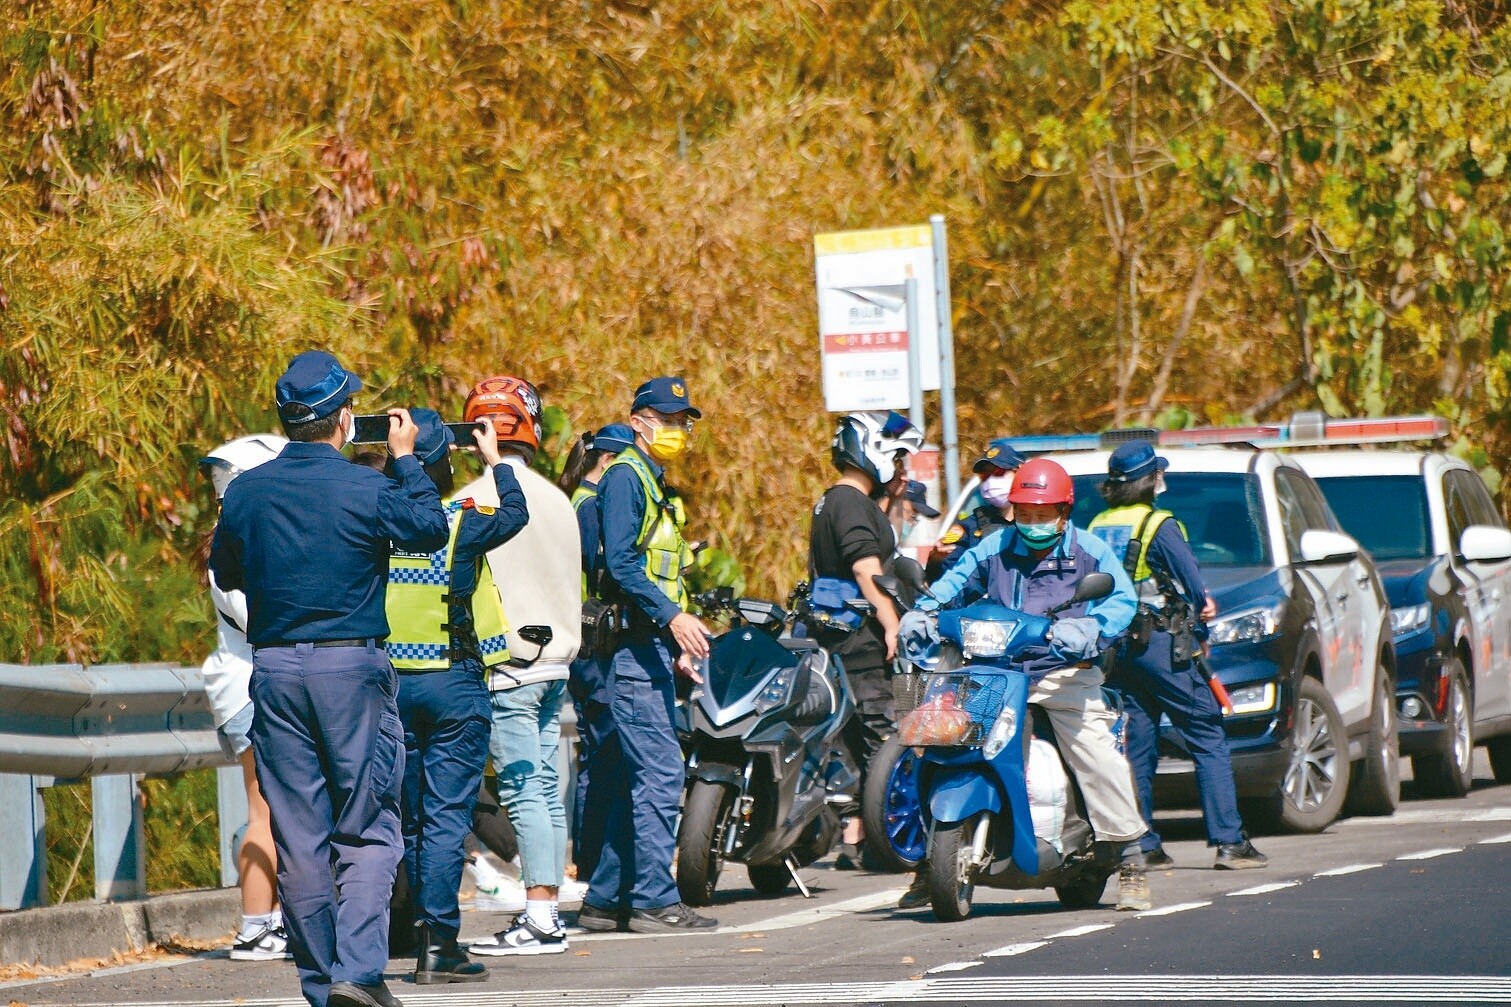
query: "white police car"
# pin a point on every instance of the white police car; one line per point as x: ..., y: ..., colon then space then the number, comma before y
x: 1442, y: 550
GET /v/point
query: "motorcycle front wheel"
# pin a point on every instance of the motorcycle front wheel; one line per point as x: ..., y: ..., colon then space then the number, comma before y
x: 952, y: 876
x: 707, y: 818
x: 890, y: 808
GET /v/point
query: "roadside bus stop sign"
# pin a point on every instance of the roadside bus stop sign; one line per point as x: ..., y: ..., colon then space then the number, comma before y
x: 863, y: 315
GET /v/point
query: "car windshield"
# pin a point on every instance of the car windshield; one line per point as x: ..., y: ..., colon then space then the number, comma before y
x: 1387, y: 514
x: 1221, y: 512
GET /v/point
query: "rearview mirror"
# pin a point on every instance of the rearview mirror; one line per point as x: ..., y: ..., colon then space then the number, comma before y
x: 1483, y: 543
x: 1093, y: 586
x: 909, y: 572
x: 538, y: 635
x: 1327, y: 547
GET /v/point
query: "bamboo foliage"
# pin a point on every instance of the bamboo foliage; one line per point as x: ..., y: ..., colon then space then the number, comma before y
x: 587, y: 195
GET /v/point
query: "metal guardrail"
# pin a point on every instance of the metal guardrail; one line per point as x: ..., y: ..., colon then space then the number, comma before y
x: 112, y: 724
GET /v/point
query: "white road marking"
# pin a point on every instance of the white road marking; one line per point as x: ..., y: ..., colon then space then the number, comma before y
x: 1171, y: 910
x: 1338, y: 872
x: 1496, y: 839
x: 976, y: 988
x: 801, y: 918
x: 1015, y: 949
x: 1427, y: 816
x: 1429, y: 854
x: 1274, y: 886
x: 1089, y: 928
x: 952, y: 967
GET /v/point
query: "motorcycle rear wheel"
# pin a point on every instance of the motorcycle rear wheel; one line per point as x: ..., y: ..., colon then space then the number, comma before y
x: 707, y: 818
x: 952, y: 877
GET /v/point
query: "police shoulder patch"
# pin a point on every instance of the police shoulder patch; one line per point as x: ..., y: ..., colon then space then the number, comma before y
x: 484, y: 510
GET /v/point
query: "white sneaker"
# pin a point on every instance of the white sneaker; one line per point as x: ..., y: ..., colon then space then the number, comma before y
x: 571, y: 892
x: 265, y: 944
x: 501, y: 894
x: 524, y: 938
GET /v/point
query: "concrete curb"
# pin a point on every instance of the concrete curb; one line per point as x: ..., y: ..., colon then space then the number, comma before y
x: 55, y: 935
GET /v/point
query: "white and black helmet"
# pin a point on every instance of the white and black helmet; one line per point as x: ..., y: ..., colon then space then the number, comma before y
x: 872, y: 443
x: 233, y: 458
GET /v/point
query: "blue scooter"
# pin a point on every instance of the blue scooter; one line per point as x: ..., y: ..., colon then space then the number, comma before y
x: 974, y: 727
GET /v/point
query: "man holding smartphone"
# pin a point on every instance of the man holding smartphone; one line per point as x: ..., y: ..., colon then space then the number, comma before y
x: 307, y: 537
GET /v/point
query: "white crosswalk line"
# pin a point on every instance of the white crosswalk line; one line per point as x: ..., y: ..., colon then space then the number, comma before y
x: 1011, y: 950
x: 1430, y: 854
x: 1089, y: 928
x: 1496, y: 839
x: 1171, y: 910
x: 952, y: 967
x: 1274, y: 886
x: 1338, y: 872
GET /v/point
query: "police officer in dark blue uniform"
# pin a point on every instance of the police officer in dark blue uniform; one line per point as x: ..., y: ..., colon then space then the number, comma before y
x: 589, y: 682
x: 446, y: 630
x: 645, y: 557
x: 996, y: 468
x: 307, y: 537
x: 1155, y: 667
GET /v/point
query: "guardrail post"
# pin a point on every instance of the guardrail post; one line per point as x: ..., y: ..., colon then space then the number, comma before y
x: 231, y: 801
x: 120, y: 866
x: 23, y: 843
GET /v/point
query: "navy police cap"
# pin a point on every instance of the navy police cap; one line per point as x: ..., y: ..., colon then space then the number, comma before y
x: 615, y: 438
x: 665, y: 395
x: 1000, y: 454
x: 314, y: 386
x: 917, y: 494
x: 1134, y: 460
x: 434, y: 438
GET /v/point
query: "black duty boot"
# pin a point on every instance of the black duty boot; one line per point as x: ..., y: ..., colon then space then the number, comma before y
x: 443, y: 961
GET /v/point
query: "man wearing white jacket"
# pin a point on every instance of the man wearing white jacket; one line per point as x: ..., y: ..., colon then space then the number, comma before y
x: 539, y: 576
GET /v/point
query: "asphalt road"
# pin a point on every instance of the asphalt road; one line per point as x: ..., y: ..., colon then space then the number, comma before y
x: 1410, y: 909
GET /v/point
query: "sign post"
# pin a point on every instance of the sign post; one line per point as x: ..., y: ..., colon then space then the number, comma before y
x: 951, y: 436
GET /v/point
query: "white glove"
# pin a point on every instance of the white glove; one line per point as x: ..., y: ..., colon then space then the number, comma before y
x: 1076, y: 639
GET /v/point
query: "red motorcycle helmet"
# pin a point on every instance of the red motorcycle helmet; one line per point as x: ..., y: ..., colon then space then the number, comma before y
x: 1041, y: 481
x: 513, y: 406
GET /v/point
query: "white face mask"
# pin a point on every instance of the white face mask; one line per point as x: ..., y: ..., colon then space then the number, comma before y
x: 351, y: 427
x: 994, y: 489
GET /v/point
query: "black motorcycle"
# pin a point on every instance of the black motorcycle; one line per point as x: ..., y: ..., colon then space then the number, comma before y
x: 767, y: 774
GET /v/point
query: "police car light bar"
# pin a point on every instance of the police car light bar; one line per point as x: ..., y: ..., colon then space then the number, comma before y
x: 1310, y: 429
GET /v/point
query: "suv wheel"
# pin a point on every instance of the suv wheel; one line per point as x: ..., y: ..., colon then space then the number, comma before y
x: 1316, y: 780
x: 1450, y: 773
x: 1376, y: 785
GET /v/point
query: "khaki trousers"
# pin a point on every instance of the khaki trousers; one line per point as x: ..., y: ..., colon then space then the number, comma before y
x: 1072, y: 698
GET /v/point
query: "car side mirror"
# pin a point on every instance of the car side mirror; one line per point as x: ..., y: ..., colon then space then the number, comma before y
x: 538, y: 635
x: 1327, y: 547
x: 1483, y: 543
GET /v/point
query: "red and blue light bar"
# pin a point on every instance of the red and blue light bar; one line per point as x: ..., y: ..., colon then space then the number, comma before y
x: 1305, y: 430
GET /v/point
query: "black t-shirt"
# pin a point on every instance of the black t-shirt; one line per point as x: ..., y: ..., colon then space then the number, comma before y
x: 849, y: 526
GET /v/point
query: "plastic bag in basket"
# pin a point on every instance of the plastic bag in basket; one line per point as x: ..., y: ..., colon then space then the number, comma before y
x: 937, y: 722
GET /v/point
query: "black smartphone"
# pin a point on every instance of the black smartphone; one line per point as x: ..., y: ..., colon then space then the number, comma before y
x: 463, y: 433
x: 371, y: 429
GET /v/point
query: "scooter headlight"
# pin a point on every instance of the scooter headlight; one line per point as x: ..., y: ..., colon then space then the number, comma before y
x: 776, y: 692
x: 984, y: 637
x: 1003, y: 729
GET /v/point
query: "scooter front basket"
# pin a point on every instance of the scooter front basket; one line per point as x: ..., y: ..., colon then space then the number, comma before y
x: 957, y: 710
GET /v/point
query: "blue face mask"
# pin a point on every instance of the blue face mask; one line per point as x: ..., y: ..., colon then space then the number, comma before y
x: 1039, y: 536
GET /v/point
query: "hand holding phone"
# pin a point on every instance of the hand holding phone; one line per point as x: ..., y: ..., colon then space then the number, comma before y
x: 485, y: 436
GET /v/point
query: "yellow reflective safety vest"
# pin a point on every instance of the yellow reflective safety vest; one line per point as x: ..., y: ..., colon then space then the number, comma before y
x: 1120, y: 527
x: 660, y: 540
x: 419, y: 617
x: 580, y: 496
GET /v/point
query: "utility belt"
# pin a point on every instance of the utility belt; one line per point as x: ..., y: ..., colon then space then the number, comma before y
x: 826, y: 599
x: 600, y: 629
x: 1178, y: 621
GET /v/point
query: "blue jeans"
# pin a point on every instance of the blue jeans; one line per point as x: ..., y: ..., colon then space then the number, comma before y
x: 526, y: 738
x: 446, y: 723
x: 1152, y: 687
x: 644, y: 781
x: 330, y: 760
